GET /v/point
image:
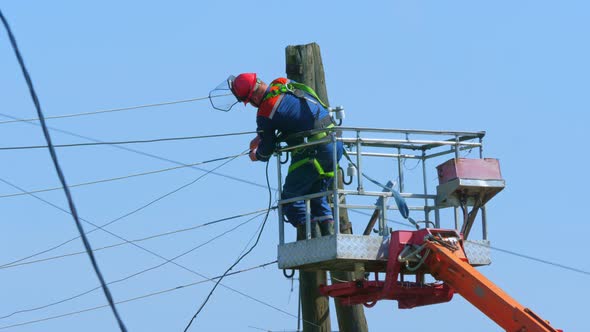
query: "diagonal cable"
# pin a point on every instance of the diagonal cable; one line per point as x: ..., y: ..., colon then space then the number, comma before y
x: 166, y: 261
x: 153, y: 140
x: 177, y: 231
x: 60, y: 174
x: 116, y: 109
x: 116, y: 178
x: 240, y: 258
x: 114, y: 220
x: 155, y: 294
x: 153, y: 156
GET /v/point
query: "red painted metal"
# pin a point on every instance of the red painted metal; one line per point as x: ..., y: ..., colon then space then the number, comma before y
x: 442, y: 254
x: 464, y: 168
x: 408, y: 294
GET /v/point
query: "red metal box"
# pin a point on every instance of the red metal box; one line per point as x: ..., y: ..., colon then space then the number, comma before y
x: 479, y: 169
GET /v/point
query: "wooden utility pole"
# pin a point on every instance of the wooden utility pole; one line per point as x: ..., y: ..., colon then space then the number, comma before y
x: 304, y: 65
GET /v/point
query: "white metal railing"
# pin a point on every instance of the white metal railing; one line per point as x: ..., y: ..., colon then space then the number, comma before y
x: 363, y: 143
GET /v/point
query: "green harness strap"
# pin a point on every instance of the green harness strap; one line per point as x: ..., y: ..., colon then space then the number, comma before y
x: 316, y: 164
x: 292, y: 87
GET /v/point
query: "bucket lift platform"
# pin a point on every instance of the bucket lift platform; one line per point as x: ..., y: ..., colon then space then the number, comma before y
x: 395, y: 256
x: 338, y: 252
x: 462, y: 182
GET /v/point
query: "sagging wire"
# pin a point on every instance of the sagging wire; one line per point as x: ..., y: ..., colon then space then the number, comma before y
x: 283, y: 162
x: 154, y: 140
x: 386, y: 219
x: 166, y: 261
x: 125, y: 215
x: 157, y: 293
x: 113, y: 110
x: 399, y: 200
x: 136, y: 240
x: 119, y: 177
x: 241, y: 257
x: 532, y: 258
x: 413, y: 167
x: 60, y: 174
x: 289, y: 275
x: 142, y: 153
x: 350, y: 176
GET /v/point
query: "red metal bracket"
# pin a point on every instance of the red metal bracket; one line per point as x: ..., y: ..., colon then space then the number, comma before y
x: 408, y: 294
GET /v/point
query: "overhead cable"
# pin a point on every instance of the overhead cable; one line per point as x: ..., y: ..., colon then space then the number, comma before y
x: 116, y: 219
x: 150, y: 155
x: 166, y: 261
x: 154, y: 294
x: 532, y: 258
x: 114, y: 109
x: 117, y: 178
x: 166, y: 139
x: 240, y: 258
x: 60, y: 174
x: 136, y: 240
x: 498, y: 249
x: 163, y: 159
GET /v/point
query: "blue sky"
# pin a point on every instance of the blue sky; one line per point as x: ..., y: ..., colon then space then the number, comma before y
x: 518, y: 70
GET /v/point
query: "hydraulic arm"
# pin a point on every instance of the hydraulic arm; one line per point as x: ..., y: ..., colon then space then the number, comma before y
x: 440, y: 253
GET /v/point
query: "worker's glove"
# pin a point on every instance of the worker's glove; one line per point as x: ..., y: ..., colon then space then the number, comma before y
x: 253, y: 147
x: 254, y: 143
x: 252, y: 154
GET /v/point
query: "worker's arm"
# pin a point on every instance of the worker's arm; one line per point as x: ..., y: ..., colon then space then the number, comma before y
x: 266, y: 131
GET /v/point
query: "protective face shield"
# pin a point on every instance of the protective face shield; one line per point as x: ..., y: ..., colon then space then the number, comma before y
x: 221, y: 97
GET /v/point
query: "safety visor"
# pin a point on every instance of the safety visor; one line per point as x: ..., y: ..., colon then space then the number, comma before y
x: 221, y: 97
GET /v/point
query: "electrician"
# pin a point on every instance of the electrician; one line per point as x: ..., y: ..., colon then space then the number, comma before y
x: 289, y: 108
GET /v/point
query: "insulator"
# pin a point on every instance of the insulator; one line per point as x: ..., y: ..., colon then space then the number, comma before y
x: 339, y: 110
x: 351, y: 170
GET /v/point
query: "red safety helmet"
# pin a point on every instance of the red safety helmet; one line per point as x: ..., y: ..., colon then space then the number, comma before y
x: 243, y: 86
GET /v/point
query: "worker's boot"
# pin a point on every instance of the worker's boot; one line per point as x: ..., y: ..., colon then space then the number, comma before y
x: 327, y: 227
x: 315, y: 231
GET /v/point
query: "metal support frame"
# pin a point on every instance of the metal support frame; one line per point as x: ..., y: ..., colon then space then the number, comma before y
x: 336, y: 199
x: 484, y: 215
x: 422, y: 145
x: 280, y: 206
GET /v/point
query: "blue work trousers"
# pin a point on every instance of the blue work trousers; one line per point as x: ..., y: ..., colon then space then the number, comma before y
x: 306, y: 179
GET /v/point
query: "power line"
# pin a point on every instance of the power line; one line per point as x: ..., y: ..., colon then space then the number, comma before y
x: 153, y: 156
x: 166, y: 261
x: 499, y: 249
x: 60, y: 174
x: 532, y: 258
x: 240, y: 258
x: 154, y: 140
x: 387, y: 219
x: 117, y: 178
x: 114, y: 220
x: 115, y: 109
x: 181, y: 165
x: 150, y: 295
x: 136, y: 240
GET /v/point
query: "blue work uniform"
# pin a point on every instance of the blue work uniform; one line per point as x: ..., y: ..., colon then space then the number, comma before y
x: 288, y: 114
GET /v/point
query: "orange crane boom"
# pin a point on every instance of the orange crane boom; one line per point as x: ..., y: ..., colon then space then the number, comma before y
x: 451, y: 268
x: 438, y: 252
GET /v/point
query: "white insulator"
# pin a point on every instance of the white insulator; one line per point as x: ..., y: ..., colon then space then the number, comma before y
x: 351, y: 170
x: 339, y: 113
